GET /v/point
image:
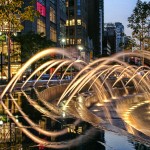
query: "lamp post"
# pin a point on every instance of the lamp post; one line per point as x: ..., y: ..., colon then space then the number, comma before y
x: 80, y: 49
x: 63, y: 40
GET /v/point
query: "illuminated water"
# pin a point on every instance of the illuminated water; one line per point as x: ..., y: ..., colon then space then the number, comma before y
x: 90, y: 138
x: 102, y: 100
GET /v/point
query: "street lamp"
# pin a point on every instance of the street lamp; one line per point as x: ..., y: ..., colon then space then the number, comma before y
x: 63, y: 41
x: 80, y: 49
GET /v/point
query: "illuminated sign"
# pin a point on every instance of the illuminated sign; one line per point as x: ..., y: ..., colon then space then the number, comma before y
x: 41, y: 9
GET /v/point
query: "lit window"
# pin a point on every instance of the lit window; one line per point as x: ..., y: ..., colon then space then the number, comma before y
x: 67, y: 23
x: 72, y: 22
x: 72, y: 41
x: 79, y: 41
x: 52, y: 15
x: 52, y: 34
x: 67, y: 41
x: 79, y: 22
x: 41, y: 26
x: 67, y: 4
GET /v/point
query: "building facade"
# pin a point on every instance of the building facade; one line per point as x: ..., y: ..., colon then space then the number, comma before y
x: 96, y: 25
x: 51, y: 21
x: 114, y: 35
x: 110, y: 36
x: 76, y: 27
x: 119, y: 36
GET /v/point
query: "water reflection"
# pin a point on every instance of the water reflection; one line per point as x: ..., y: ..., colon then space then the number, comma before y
x: 90, y: 138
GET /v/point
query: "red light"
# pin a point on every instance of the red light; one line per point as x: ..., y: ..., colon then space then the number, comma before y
x: 41, y: 9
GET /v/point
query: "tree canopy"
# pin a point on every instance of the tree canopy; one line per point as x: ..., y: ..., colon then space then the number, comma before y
x: 139, y: 21
x: 13, y: 13
x: 31, y: 43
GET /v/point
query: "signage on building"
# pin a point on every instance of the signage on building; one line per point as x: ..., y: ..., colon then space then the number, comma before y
x: 41, y: 9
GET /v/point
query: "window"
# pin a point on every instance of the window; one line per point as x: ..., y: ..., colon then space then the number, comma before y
x: 79, y: 22
x: 72, y: 41
x: 84, y: 25
x: 52, y: 15
x: 72, y: 22
x: 53, y: 34
x: 53, y: 1
x: 71, y: 13
x: 41, y: 27
x: 79, y: 41
x: 67, y: 4
x: 67, y: 41
x: 67, y: 22
x: 71, y: 3
x: 43, y: 2
x: 72, y: 32
x: 78, y: 12
x: 62, y: 7
x: 78, y: 2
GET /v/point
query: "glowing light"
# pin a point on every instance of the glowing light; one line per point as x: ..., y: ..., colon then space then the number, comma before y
x: 106, y: 82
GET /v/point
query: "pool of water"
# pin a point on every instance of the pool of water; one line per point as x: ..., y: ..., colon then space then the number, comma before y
x: 89, y: 138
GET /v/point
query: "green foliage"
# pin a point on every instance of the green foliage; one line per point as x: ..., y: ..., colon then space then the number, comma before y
x: 13, y: 13
x: 130, y: 42
x: 2, y: 38
x: 31, y: 43
x: 138, y: 21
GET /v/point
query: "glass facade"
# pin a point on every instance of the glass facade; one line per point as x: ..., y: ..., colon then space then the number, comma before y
x: 41, y: 26
x: 53, y: 36
x: 52, y: 15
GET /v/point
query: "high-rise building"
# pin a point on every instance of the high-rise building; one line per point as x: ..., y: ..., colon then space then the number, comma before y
x: 109, y: 38
x: 51, y: 21
x: 96, y: 25
x: 76, y: 27
x: 119, y: 36
x: 114, y: 35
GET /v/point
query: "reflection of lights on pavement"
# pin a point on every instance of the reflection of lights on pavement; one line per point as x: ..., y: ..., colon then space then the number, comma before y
x: 17, y: 118
x: 99, y: 104
x: 106, y: 100
x: 96, y: 110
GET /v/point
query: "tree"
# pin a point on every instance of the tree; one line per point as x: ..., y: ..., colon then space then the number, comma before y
x: 129, y: 43
x: 138, y: 21
x: 31, y: 43
x: 13, y: 13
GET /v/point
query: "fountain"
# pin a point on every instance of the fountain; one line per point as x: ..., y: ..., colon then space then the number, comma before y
x: 99, y: 91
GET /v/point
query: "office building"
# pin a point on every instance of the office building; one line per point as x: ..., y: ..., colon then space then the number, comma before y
x: 96, y: 25
x: 51, y: 21
x: 77, y: 27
